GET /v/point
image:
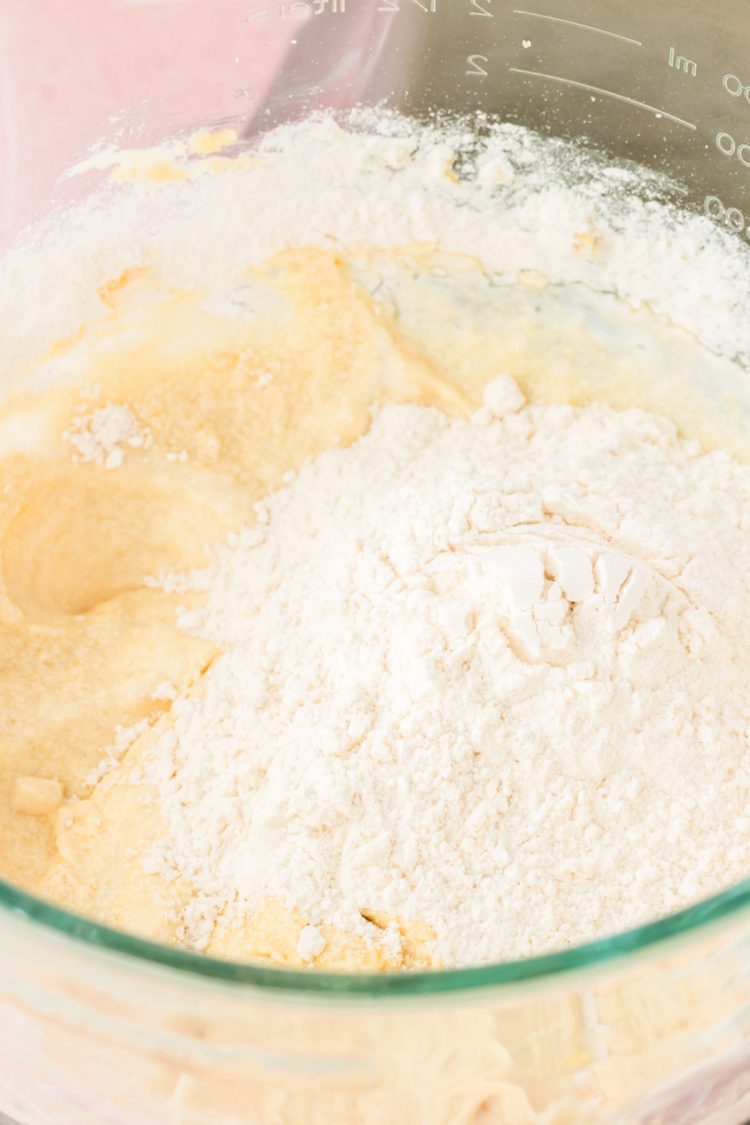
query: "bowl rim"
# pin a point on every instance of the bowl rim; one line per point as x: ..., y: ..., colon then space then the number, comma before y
x: 313, y: 983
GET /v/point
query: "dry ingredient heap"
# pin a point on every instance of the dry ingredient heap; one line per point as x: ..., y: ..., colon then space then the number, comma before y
x: 472, y: 687
x: 488, y: 674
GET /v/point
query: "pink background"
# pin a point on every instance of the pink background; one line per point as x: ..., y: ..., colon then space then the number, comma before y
x: 67, y: 67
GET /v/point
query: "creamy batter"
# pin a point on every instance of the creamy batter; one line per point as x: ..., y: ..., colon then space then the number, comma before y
x: 218, y: 404
x: 186, y: 408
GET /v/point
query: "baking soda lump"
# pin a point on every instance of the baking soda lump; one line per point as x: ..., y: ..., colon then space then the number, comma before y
x: 488, y: 673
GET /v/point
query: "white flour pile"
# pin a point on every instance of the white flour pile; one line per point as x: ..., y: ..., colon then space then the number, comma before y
x: 489, y: 674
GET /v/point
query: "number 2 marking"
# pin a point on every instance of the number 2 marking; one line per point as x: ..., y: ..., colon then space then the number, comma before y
x: 476, y: 65
x: 476, y: 8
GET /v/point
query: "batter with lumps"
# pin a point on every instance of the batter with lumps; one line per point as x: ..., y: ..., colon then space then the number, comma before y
x: 186, y: 409
x: 300, y: 593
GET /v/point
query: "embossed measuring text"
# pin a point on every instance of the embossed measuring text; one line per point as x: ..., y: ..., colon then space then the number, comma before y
x: 679, y: 62
x: 295, y: 9
x: 731, y: 217
x: 734, y: 149
x: 736, y: 88
x: 476, y: 66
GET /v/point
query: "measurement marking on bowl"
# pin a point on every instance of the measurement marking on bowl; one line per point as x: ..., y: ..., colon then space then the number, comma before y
x: 731, y: 217
x: 735, y: 88
x: 574, y: 23
x: 604, y: 94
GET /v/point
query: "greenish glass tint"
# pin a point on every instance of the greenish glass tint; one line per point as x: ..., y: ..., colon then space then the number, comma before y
x: 729, y: 903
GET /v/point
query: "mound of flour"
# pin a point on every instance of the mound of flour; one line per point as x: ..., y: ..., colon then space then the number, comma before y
x: 515, y: 200
x: 490, y: 674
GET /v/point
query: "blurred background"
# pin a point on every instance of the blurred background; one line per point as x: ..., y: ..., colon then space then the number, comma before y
x: 194, y: 57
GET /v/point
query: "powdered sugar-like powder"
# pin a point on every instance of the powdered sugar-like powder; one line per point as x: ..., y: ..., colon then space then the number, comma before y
x: 487, y: 674
x: 102, y: 435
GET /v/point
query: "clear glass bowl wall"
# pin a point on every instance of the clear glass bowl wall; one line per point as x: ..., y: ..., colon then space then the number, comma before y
x: 649, y: 1026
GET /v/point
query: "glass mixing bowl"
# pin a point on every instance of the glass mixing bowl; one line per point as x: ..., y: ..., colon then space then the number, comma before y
x: 648, y: 1026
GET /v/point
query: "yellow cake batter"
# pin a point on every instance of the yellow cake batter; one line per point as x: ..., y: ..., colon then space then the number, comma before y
x: 225, y: 394
x: 229, y: 405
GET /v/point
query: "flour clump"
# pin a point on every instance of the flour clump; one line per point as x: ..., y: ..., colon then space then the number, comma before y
x: 102, y: 435
x: 484, y: 673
